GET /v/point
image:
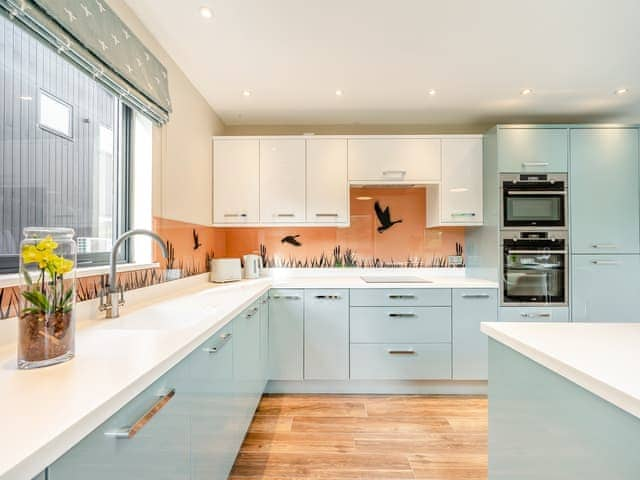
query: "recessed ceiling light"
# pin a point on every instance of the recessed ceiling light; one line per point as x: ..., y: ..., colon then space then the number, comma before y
x: 26, y: 97
x: 432, y: 92
x: 621, y: 91
x: 526, y: 91
x: 338, y: 93
x: 205, y: 12
x: 246, y: 93
x: 364, y: 198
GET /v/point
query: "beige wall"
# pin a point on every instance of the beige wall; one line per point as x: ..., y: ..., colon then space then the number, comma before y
x: 182, y: 147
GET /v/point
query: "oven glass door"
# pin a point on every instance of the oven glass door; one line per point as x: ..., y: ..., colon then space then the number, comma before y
x: 532, y: 276
x: 530, y: 208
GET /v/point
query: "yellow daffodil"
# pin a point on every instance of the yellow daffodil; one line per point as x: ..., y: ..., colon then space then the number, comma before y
x: 30, y: 254
x: 47, y: 243
x: 61, y: 265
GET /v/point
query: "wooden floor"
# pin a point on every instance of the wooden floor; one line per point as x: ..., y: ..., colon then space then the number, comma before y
x: 365, y: 437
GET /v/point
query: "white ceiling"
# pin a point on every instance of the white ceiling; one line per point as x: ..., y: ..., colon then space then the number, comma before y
x: 386, y: 55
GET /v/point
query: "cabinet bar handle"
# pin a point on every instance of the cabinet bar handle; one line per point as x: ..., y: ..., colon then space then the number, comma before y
x: 535, y: 164
x: 401, y: 352
x: 537, y: 252
x: 394, y: 172
x: 400, y: 297
x: 401, y: 315
x: 475, y: 295
x: 535, y: 315
x: 285, y: 214
x: 225, y: 339
x: 604, y: 245
x: 285, y: 297
x: 327, y: 215
x: 228, y: 215
x: 605, y: 262
x: 464, y: 214
x: 536, y: 192
x: 328, y: 297
x: 130, y: 432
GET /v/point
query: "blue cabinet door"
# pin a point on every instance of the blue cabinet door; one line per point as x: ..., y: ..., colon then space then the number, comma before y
x: 156, y: 447
x: 264, y: 339
x: 286, y: 334
x: 522, y: 149
x: 605, y: 288
x: 604, y: 191
x: 470, y: 307
x: 326, y: 334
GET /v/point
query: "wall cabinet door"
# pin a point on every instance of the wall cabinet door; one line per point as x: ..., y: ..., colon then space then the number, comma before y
x: 458, y: 199
x: 282, y: 181
x: 326, y: 334
x: 605, y: 288
x: 394, y: 160
x: 470, y: 307
x: 236, y: 181
x: 533, y: 150
x: 159, y: 449
x: 604, y: 191
x: 327, y: 183
x: 286, y: 311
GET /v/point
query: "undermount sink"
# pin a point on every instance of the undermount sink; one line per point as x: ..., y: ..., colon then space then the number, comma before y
x: 395, y: 279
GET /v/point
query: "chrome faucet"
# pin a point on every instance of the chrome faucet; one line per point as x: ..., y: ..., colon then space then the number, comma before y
x: 115, y: 296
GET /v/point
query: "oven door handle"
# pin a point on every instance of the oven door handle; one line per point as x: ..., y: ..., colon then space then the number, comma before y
x: 537, y: 252
x: 536, y: 192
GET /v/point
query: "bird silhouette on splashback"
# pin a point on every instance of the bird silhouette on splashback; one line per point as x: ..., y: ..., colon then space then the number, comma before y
x: 291, y: 240
x: 384, y: 217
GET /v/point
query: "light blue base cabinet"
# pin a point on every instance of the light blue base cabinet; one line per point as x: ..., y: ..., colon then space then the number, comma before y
x: 286, y: 334
x: 326, y: 334
x: 470, y: 307
x: 605, y: 288
x: 533, y: 314
x: 544, y: 427
x: 532, y: 149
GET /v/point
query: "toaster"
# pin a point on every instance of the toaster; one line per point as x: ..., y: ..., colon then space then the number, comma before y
x: 225, y: 270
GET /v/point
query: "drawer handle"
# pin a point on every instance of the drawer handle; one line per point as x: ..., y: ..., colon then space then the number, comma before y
x: 535, y: 164
x: 328, y: 297
x: 225, y: 339
x: 464, y: 214
x: 130, y: 432
x: 289, y: 215
x: 605, y: 262
x: 536, y: 252
x: 327, y: 215
x: 401, y: 173
x: 285, y: 297
x: 402, y: 315
x: 401, y: 352
x: 251, y: 312
x: 475, y: 295
x: 537, y: 192
x: 535, y: 315
x: 604, y: 245
x: 400, y: 297
x: 234, y: 215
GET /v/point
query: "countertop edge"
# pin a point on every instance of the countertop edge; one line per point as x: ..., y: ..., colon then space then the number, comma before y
x: 597, y: 387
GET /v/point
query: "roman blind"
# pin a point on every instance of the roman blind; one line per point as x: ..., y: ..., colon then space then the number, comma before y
x: 92, y: 36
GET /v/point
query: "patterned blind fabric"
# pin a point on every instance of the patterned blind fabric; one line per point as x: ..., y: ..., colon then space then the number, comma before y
x: 92, y: 35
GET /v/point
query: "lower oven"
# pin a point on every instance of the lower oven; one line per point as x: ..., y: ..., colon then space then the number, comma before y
x: 535, y: 268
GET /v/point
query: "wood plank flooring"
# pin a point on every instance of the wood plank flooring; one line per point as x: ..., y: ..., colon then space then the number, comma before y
x: 295, y: 437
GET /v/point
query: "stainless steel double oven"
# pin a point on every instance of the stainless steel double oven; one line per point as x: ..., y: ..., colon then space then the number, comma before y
x: 534, y: 239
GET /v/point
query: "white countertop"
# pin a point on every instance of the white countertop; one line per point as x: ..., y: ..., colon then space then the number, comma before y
x: 45, y: 412
x: 603, y: 358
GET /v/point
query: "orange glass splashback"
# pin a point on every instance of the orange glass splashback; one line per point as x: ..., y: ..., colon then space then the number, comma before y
x: 407, y: 243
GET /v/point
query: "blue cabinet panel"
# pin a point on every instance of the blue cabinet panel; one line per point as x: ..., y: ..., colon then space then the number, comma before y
x: 326, y: 334
x: 400, y: 324
x: 286, y: 327
x: 526, y: 149
x: 470, y: 308
x: 534, y: 314
x: 604, y: 191
x: 400, y: 297
x: 400, y: 361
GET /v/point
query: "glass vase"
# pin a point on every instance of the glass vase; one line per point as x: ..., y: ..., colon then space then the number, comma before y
x: 46, y: 331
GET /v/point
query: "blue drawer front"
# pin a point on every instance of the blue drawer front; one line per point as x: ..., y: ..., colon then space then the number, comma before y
x: 401, y: 361
x: 401, y: 297
x: 534, y: 314
x: 400, y: 324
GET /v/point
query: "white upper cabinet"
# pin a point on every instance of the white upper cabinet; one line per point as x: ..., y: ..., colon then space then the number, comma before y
x: 458, y: 199
x: 236, y: 181
x: 394, y: 160
x: 327, y: 183
x: 282, y: 180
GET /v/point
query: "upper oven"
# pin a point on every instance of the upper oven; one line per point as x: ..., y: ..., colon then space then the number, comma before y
x: 534, y: 201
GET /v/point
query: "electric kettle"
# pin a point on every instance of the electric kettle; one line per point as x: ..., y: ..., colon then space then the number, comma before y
x: 252, y: 266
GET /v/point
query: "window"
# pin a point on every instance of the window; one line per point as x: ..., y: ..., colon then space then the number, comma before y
x: 63, y: 150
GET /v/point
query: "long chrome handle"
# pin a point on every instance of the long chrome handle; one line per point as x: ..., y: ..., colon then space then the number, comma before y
x: 394, y: 172
x: 475, y: 295
x: 537, y: 252
x: 463, y: 214
x: 535, y: 315
x: 130, y: 432
x: 327, y: 215
x: 604, y: 245
x: 285, y: 215
x: 393, y: 296
x: 215, y: 349
x: 328, y: 297
x: 285, y: 297
x: 535, y: 164
x: 401, y: 352
x: 233, y: 215
x: 536, y: 192
x: 401, y: 315
x: 605, y: 262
